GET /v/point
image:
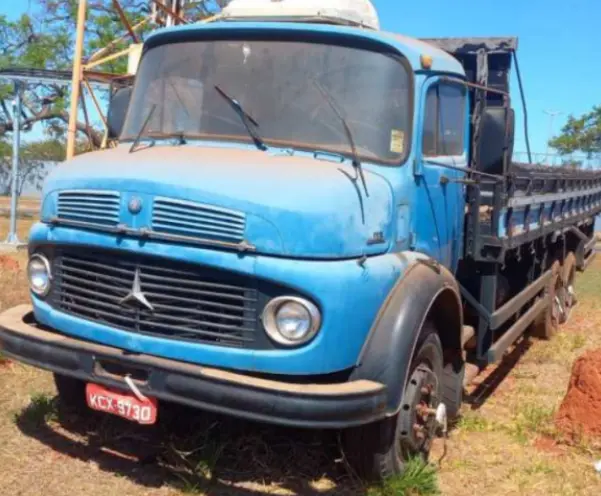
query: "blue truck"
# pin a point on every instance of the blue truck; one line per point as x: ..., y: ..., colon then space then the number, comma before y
x: 311, y: 224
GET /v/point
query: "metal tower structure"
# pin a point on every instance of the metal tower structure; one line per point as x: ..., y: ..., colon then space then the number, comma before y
x: 86, y: 78
x: 160, y: 13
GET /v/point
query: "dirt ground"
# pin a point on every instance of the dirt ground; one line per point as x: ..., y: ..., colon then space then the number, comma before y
x: 505, y: 443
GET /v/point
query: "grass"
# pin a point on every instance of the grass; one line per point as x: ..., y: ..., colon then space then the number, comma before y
x: 506, y: 445
x: 419, y: 479
x: 195, y: 468
x: 474, y: 422
x: 41, y: 410
x: 540, y: 467
x: 532, y: 420
x: 4, y: 360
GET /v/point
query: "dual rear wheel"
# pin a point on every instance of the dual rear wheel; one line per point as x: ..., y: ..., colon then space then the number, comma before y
x: 562, y: 298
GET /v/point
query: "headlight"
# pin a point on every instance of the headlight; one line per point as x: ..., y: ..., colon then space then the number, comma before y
x: 39, y: 275
x: 291, y: 321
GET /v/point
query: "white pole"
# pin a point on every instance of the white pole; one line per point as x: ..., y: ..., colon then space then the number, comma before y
x: 12, y: 235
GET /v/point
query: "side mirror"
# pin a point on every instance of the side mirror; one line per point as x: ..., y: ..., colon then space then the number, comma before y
x: 117, y: 111
x: 492, y: 138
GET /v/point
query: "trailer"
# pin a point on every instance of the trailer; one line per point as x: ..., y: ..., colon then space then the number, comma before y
x: 307, y: 222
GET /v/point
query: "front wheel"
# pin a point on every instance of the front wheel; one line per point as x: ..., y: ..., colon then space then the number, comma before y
x: 380, y: 450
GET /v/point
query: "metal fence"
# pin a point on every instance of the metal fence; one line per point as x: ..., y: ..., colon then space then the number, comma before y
x: 555, y: 159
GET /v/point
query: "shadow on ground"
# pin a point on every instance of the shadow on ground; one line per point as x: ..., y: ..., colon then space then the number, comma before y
x: 198, y: 452
x: 493, y: 377
x: 194, y: 451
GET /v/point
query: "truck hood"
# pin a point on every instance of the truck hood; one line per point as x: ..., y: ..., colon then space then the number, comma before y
x: 294, y: 206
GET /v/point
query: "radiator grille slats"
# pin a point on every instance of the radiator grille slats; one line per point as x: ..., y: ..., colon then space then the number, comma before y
x: 192, y: 219
x: 95, y: 207
x: 188, y: 302
x: 168, y: 216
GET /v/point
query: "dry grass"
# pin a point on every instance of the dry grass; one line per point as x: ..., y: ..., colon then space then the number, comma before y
x: 505, y: 443
x: 508, y: 444
x: 23, y: 227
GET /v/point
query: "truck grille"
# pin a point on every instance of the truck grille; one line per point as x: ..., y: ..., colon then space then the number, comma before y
x: 182, y: 301
x: 197, y: 220
x: 95, y: 207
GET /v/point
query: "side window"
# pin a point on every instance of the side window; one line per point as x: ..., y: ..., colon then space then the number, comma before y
x: 431, y: 122
x: 444, y: 121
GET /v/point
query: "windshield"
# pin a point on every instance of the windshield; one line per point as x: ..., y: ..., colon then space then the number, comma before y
x: 276, y: 84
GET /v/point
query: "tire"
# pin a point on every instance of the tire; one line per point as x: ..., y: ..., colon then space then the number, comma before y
x: 379, y: 450
x: 71, y: 393
x: 452, y: 387
x: 568, y: 295
x: 547, y: 323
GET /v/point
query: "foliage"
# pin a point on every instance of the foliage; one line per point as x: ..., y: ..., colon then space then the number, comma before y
x: 581, y: 134
x: 35, y: 158
x: 44, y: 38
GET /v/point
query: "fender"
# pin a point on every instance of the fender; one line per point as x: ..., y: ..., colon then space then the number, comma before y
x: 426, y: 289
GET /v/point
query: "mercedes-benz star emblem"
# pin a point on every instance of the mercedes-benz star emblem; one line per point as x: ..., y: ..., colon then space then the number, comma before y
x: 134, y: 205
x: 136, y: 295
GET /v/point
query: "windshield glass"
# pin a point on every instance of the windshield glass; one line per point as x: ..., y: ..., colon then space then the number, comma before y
x: 274, y: 82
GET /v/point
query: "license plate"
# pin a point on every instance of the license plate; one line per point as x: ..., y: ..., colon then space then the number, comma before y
x: 124, y: 405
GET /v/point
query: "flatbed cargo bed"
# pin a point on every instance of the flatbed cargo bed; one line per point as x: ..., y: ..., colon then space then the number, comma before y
x: 528, y: 203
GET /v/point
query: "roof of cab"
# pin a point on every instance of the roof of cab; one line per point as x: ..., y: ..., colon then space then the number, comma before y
x: 411, y: 48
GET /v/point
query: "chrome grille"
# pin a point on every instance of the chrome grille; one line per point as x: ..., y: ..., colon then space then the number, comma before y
x: 197, y: 220
x: 189, y: 302
x: 96, y: 207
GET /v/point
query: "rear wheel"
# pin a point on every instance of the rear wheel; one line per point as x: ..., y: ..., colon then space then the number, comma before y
x: 546, y: 324
x: 568, y: 294
x: 381, y: 449
x: 71, y: 393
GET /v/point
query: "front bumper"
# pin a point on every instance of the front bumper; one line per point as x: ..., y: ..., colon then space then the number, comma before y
x: 299, y: 405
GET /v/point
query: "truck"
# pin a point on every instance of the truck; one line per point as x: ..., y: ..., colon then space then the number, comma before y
x: 307, y: 221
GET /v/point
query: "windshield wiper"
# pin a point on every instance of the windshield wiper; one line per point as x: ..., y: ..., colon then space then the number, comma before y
x: 349, y: 135
x: 143, y: 129
x: 246, y: 119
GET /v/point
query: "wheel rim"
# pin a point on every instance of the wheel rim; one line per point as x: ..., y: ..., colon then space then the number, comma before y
x: 570, y: 293
x: 418, y: 413
x: 568, y: 297
x: 558, y: 310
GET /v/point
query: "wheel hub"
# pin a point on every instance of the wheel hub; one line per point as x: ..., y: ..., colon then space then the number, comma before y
x: 570, y: 296
x: 558, y: 312
x: 420, y: 412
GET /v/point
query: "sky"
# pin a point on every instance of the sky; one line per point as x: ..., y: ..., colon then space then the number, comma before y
x: 558, y: 52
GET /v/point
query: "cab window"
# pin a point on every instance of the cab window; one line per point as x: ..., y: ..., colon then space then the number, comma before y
x: 444, y: 121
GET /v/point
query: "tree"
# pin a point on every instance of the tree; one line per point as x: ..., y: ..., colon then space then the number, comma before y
x: 35, y: 160
x: 44, y: 39
x: 582, y: 134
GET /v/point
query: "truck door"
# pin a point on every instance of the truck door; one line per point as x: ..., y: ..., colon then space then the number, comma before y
x: 442, y: 140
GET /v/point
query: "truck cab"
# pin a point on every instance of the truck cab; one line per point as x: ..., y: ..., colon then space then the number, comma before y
x: 278, y: 235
